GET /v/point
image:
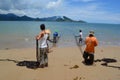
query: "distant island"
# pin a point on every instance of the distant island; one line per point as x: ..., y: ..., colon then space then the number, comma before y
x: 13, y: 17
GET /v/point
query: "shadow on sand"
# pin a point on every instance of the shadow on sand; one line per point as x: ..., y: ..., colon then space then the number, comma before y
x: 78, y: 44
x: 28, y: 64
x: 106, y: 61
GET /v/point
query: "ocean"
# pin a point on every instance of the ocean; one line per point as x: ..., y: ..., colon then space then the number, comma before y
x: 21, y: 34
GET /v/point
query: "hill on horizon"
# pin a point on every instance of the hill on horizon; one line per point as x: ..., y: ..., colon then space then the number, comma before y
x: 13, y: 17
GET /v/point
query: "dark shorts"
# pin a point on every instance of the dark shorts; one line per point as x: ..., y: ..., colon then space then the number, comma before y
x: 88, y: 58
x: 80, y: 39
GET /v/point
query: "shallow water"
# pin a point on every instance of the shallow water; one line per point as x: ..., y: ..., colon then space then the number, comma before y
x: 21, y: 34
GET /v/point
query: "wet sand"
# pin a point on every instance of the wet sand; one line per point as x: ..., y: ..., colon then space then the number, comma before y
x: 64, y: 64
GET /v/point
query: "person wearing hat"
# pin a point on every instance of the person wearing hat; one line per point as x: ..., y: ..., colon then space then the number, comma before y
x: 55, y: 37
x: 91, y: 42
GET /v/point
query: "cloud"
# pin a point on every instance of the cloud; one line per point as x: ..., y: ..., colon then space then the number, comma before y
x: 88, y: 10
x: 31, y: 8
x: 15, y: 11
x: 87, y: 0
x: 92, y: 13
x: 106, y: 17
x: 54, y: 4
x: 83, y: 0
x: 5, y: 4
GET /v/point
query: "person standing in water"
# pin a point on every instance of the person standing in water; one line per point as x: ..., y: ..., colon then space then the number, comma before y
x: 81, y: 36
x: 55, y: 37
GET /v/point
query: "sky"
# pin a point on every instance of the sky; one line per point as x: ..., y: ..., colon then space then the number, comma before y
x: 92, y: 11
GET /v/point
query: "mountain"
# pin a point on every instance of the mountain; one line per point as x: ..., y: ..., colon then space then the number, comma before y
x: 56, y: 18
x: 4, y: 17
x: 13, y: 17
x: 26, y: 18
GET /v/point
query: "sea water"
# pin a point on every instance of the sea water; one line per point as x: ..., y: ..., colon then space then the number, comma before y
x: 21, y: 34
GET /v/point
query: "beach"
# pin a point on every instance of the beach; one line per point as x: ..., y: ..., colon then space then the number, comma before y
x: 18, y: 52
x: 64, y: 64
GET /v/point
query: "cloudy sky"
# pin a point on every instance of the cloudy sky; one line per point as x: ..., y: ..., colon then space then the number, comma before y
x: 98, y: 11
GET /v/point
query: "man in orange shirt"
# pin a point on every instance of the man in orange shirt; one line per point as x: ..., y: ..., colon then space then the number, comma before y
x: 91, y: 42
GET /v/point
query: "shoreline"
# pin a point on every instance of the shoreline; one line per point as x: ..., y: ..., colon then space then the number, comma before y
x: 64, y: 64
x: 33, y: 47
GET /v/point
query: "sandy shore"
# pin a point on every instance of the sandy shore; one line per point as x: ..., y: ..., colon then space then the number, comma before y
x: 64, y: 64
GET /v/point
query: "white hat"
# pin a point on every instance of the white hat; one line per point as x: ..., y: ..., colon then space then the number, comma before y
x: 91, y: 32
